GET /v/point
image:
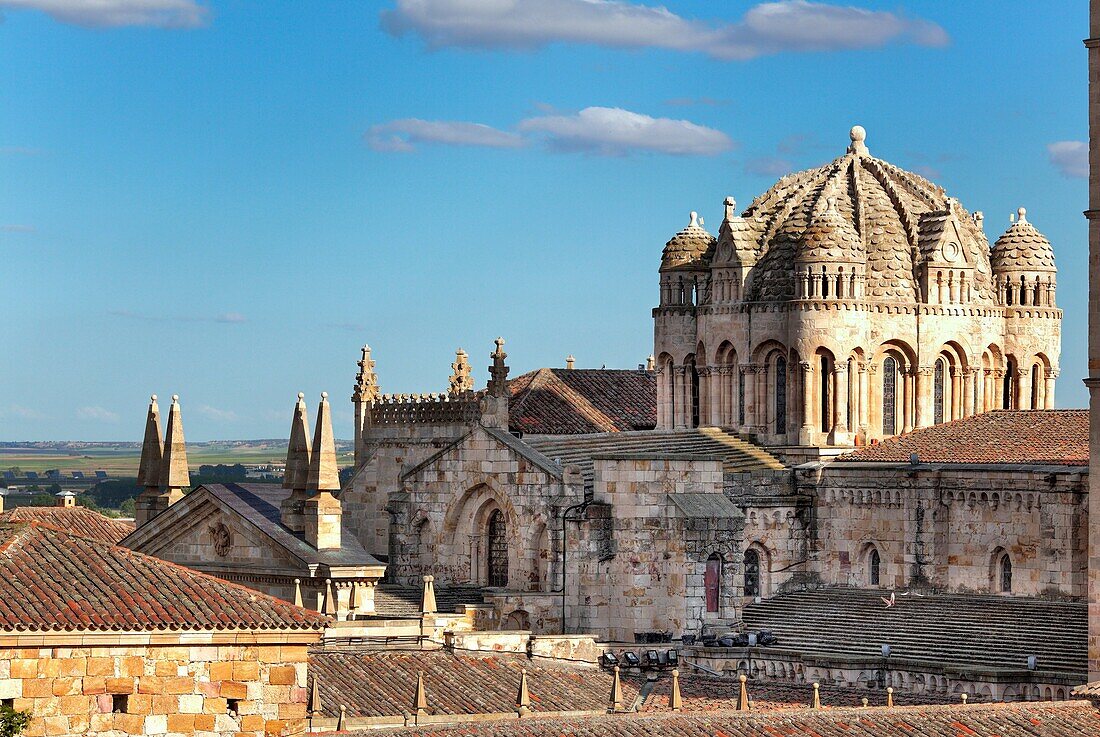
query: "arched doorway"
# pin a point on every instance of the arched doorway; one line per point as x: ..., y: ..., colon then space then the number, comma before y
x: 498, y: 550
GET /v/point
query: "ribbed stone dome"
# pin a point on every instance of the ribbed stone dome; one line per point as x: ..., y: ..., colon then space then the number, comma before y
x: 690, y: 248
x: 882, y: 205
x: 1022, y: 248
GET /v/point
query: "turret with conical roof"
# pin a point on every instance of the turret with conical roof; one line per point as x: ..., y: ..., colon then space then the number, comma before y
x: 830, y: 259
x: 685, y: 261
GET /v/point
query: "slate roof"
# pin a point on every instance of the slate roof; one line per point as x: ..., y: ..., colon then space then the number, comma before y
x: 384, y: 683
x: 259, y: 505
x: 77, y: 520
x: 55, y: 580
x: 553, y: 401
x: 705, y: 506
x: 830, y: 238
x: 737, y: 455
x: 1064, y: 719
x: 1033, y: 436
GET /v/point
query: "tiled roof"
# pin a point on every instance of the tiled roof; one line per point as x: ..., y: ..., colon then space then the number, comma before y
x: 1064, y: 719
x: 576, y: 401
x: 404, y: 601
x: 1033, y: 436
x: 955, y: 632
x: 831, y: 238
x: 259, y: 505
x: 54, y: 580
x: 691, y: 247
x: 1023, y: 247
x: 384, y: 683
x: 737, y: 455
x: 77, y: 520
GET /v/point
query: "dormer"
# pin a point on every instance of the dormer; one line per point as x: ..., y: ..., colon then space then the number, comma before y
x: 734, y: 256
x: 946, y: 267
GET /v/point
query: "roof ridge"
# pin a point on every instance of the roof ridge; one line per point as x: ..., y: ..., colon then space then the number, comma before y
x: 582, y: 404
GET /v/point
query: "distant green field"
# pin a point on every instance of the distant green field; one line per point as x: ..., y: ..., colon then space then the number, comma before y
x: 123, y: 461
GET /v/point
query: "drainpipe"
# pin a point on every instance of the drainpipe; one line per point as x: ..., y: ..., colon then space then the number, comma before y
x: 564, y: 548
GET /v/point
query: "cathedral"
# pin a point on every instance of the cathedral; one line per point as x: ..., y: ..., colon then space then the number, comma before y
x: 850, y: 303
x: 850, y: 393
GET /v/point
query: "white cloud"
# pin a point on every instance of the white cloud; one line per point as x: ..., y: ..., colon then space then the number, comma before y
x: 24, y: 413
x: 1070, y: 157
x: 220, y: 415
x: 231, y: 317
x: 615, y: 132
x: 767, y: 28
x: 405, y: 134
x: 114, y: 13
x: 98, y: 414
x: 225, y: 317
x: 16, y: 228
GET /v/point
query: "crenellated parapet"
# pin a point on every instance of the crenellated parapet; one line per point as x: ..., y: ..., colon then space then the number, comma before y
x: 432, y: 408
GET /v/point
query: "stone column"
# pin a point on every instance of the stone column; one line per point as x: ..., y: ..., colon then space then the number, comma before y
x: 750, y: 394
x: 839, y: 434
x: 908, y: 381
x: 922, y: 394
x: 969, y: 382
x: 662, y: 399
x: 864, y: 396
x: 679, y: 411
x: 806, y: 433
x: 956, y: 392
x: 1048, y: 398
x: 1023, y: 389
x: 714, y: 396
x: 762, y: 398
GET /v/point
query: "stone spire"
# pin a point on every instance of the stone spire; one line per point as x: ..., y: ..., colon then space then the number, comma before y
x: 461, y: 380
x: 365, y: 394
x: 174, y: 476
x: 498, y: 372
x: 494, y: 405
x: 322, y: 511
x: 296, y: 475
x: 151, y: 448
x: 163, y: 470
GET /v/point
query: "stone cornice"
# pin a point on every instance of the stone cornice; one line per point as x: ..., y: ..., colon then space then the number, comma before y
x: 86, y: 638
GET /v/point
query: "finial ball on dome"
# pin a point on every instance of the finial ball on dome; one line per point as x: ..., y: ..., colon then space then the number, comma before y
x: 175, y: 397
x: 324, y: 395
x: 1022, y: 213
x: 153, y: 397
x: 694, y: 219
x: 858, y: 134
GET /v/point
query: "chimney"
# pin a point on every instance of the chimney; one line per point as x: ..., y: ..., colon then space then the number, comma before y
x: 296, y: 476
x: 569, y: 362
x: 66, y: 498
x: 322, y: 510
x: 494, y: 407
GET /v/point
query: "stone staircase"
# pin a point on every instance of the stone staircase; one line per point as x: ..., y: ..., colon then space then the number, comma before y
x: 954, y: 630
x: 738, y: 455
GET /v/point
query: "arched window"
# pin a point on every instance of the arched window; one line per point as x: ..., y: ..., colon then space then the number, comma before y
x: 752, y: 573
x: 889, y: 396
x: 1035, y: 386
x: 939, y: 377
x: 712, y: 582
x: 741, y: 398
x: 1004, y: 574
x: 826, y: 394
x: 874, y: 567
x: 693, y: 377
x: 1007, y: 390
x: 498, y: 549
x: 780, y: 395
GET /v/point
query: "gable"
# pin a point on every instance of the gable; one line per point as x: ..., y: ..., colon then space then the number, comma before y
x: 485, y: 451
x: 201, y: 532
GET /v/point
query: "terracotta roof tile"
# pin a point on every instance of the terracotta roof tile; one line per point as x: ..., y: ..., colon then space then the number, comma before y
x: 1063, y: 719
x: 55, y: 580
x: 1035, y: 436
x: 77, y: 520
x: 578, y: 401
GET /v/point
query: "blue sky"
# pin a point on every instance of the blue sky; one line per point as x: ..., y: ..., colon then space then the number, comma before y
x: 225, y: 199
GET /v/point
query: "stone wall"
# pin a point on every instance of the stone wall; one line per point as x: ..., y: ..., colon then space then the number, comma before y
x: 640, y: 561
x: 945, y: 527
x: 164, y: 690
